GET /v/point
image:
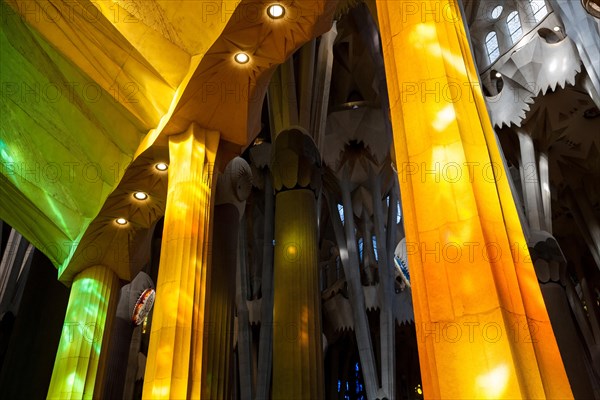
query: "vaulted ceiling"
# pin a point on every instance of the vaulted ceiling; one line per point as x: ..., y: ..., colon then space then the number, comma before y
x: 91, y: 89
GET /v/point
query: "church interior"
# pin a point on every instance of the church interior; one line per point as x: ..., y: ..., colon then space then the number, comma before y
x: 300, y: 199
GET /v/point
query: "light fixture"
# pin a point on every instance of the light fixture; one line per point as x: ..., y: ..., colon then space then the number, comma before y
x: 556, y: 28
x: 241, y: 58
x: 275, y: 11
x: 121, y: 221
x: 592, y: 7
x: 140, y: 195
x: 498, y: 75
x: 161, y: 166
x: 418, y: 389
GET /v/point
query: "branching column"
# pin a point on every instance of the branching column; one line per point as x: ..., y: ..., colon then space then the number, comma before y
x: 81, y: 357
x: 174, y: 365
x: 297, y: 341
x: 530, y: 182
x: 483, y: 329
x: 260, y: 157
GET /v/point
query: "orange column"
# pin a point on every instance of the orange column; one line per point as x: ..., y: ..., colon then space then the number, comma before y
x: 174, y: 362
x: 483, y: 330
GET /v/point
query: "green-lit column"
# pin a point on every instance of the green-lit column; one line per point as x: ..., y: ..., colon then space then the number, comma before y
x: 297, y: 342
x: 81, y: 356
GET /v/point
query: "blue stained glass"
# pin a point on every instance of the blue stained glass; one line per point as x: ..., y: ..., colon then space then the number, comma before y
x: 376, y: 259
x: 341, y: 211
x: 403, y: 268
x: 360, y: 248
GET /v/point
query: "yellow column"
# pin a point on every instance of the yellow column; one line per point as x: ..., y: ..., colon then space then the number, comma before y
x: 297, y: 342
x: 80, y: 363
x: 173, y: 368
x: 483, y: 330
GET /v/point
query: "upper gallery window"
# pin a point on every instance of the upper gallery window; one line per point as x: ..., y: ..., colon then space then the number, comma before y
x: 514, y: 26
x: 539, y: 9
x: 496, y: 12
x: 491, y: 45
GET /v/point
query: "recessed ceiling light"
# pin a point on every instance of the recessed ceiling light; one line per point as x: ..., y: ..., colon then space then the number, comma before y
x: 121, y: 221
x: 161, y: 166
x: 140, y: 195
x: 241, y: 58
x: 592, y: 7
x: 498, y: 75
x: 275, y: 11
x: 556, y: 28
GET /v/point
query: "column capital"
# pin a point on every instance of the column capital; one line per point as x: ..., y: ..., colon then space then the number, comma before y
x: 548, y: 259
x: 235, y: 184
x: 295, y: 161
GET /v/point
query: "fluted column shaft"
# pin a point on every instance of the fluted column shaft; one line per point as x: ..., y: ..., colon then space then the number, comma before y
x: 233, y: 188
x: 297, y: 348
x: 174, y: 364
x: 483, y: 329
x: 218, y: 354
x: 81, y: 357
x: 297, y: 340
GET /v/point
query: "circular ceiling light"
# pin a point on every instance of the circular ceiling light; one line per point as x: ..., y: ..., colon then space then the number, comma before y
x: 140, y: 195
x: 121, y: 221
x: 161, y: 166
x: 241, y: 58
x: 498, y: 75
x: 556, y: 28
x: 592, y: 7
x: 275, y: 11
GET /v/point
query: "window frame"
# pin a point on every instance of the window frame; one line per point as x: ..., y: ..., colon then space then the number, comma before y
x: 536, y: 12
x: 517, y: 33
x: 501, y: 10
x: 491, y: 51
